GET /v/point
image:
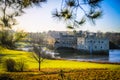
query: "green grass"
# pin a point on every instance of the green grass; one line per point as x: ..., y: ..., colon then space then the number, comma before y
x: 76, y: 64
x: 61, y: 64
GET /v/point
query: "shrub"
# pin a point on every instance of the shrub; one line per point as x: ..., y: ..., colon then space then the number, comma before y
x: 20, y: 65
x: 10, y: 65
x: 5, y: 77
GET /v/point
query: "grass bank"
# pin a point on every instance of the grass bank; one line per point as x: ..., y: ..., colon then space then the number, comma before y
x: 54, y: 64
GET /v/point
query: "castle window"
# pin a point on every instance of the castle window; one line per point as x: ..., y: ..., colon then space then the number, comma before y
x: 99, y: 41
x: 95, y: 47
x: 91, y: 41
x: 101, y: 47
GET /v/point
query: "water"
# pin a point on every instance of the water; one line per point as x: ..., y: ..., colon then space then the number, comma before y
x: 114, y: 56
x: 25, y: 48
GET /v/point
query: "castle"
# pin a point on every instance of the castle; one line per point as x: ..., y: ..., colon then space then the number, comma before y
x: 84, y: 42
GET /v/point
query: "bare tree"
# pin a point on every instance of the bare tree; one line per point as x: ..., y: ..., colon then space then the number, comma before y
x: 38, y: 56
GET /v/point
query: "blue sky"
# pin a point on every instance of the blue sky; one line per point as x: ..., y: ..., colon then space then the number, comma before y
x: 39, y: 19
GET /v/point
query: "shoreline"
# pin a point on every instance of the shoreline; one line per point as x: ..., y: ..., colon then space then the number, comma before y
x: 101, y: 62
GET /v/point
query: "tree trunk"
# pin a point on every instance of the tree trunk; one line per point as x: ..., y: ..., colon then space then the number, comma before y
x: 39, y: 65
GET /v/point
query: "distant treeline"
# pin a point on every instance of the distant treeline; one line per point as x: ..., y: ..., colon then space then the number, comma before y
x: 114, y: 40
x: 113, y: 46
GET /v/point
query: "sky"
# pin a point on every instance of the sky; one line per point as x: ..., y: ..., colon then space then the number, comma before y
x: 39, y: 19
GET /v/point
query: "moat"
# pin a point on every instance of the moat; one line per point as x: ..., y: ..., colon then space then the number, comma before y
x: 114, y: 56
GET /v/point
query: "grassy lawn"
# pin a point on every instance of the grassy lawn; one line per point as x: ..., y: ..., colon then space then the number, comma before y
x: 51, y: 69
x: 61, y: 64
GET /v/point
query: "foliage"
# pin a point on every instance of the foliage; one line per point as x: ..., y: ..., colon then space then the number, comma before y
x: 5, y: 77
x: 9, y: 38
x: 36, y: 38
x: 13, y: 8
x: 71, y: 10
x: 9, y: 10
x: 21, y: 65
x: 113, y: 45
x: 114, y: 37
x: 10, y: 65
x: 14, y: 76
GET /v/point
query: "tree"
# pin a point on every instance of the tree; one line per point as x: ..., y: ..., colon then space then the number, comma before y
x: 72, y: 10
x: 21, y: 65
x: 9, y: 38
x: 36, y: 38
x: 10, y: 65
x: 38, y: 56
x: 9, y: 10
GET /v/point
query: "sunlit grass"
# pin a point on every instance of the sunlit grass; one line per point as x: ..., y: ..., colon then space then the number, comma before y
x: 76, y: 64
x: 62, y: 64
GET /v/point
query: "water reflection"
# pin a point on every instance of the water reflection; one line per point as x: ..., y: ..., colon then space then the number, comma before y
x: 90, y: 58
x: 114, y: 56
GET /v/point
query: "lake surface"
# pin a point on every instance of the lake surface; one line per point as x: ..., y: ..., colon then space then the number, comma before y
x: 114, y: 56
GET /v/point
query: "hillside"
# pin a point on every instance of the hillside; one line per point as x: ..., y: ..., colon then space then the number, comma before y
x: 56, y: 69
x: 61, y: 64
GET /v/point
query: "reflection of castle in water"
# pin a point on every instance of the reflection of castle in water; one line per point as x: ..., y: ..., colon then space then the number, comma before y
x: 84, y: 42
x: 104, y: 58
